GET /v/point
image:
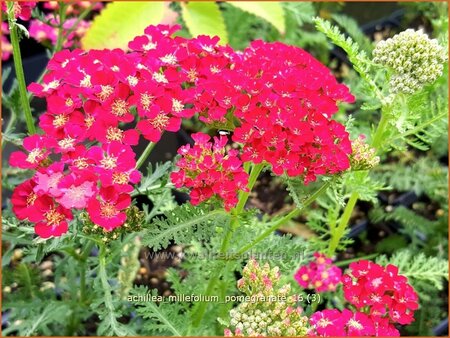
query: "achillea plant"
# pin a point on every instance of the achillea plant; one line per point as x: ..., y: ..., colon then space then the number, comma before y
x: 269, y: 108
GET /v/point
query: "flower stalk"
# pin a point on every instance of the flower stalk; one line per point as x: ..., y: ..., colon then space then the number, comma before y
x: 338, y: 232
x: 145, y: 154
x: 19, y: 70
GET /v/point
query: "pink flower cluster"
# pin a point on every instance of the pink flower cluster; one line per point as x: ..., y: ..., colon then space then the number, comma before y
x: 99, y: 102
x: 381, y: 297
x: 209, y: 171
x: 320, y: 274
x: 382, y: 290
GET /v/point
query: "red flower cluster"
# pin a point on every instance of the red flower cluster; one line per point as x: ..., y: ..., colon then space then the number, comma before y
x: 319, y: 274
x: 334, y: 323
x: 210, y: 171
x: 285, y: 114
x: 381, y: 296
x: 382, y: 290
x: 283, y: 110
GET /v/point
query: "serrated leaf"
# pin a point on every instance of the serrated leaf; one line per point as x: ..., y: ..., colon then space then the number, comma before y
x: 120, y: 22
x: 269, y: 11
x: 182, y: 224
x: 204, y: 18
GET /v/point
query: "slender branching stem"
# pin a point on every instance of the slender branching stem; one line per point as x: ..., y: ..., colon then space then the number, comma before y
x: 19, y: 70
x: 145, y: 154
x: 338, y: 232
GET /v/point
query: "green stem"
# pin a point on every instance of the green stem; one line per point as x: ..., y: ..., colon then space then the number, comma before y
x: 145, y: 154
x: 27, y: 278
x: 378, y: 137
x: 338, y: 232
x: 19, y: 70
x: 348, y: 261
x: 294, y: 213
x: 108, y: 301
x: 84, y: 257
x: 243, y: 197
x: 62, y: 18
x: 198, y: 315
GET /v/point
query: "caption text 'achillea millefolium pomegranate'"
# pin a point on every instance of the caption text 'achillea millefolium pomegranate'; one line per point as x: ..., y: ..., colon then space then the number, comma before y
x: 277, y: 99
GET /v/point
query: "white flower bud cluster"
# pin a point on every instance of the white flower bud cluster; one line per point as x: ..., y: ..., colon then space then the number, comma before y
x: 415, y: 59
x: 272, y: 310
x: 363, y: 157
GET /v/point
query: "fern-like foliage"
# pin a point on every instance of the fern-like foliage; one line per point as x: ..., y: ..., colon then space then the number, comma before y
x: 420, y: 119
x: 34, y: 317
x: 353, y: 29
x: 183, y: 224
x: 418, y: 268
x: 107, y: 305
x: 156, y: 178
x: 424, y: 176
x: 165, y: 318
x: 361, y: 63
x: 413, y: 225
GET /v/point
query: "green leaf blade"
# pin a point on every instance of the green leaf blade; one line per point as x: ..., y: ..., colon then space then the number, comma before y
x: 120, y: 22
x: 204, y: 18
x: 269, y: 11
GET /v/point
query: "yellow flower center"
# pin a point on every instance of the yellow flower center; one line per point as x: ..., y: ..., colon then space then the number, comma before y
x: 53, y: 217
x: 114, y: 134
x: 109, y: 162
x: 119, y: 107
x: 35, y: 155
x: 120, y: 178
x: 31, y: 199
x: 105, y: 92
x: 60, y: 120
x: 81, y: 163
x: 108, y: 210
x: 160, y: 121
x: 146, y: 101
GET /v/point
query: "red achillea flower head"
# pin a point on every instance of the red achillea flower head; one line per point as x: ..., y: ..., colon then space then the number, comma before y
x: 286, y: 118
x: 334, y: 323
x: 210, y: 171
x: 382, y: 290
x: 280, y: 97
x: 54, y: 220
x: 26, y: 203
x: 320, y: 274
x: 107, y: 211
x: 37, y: 147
